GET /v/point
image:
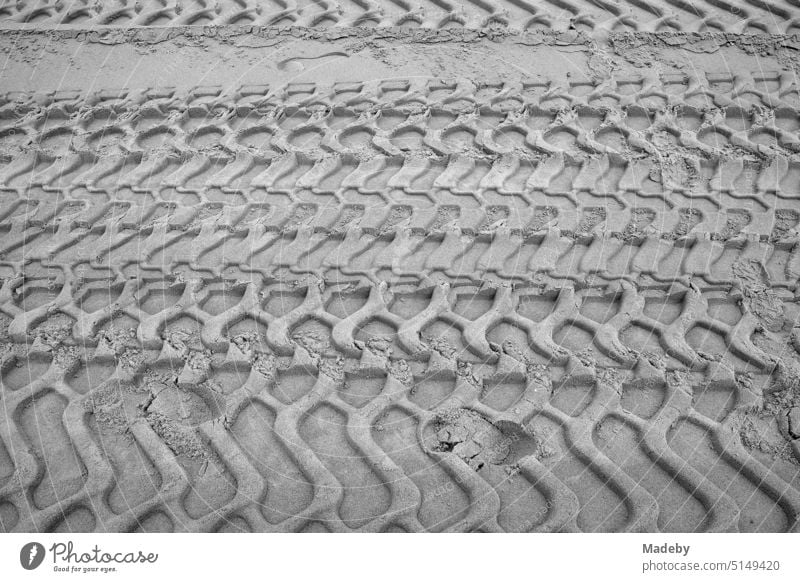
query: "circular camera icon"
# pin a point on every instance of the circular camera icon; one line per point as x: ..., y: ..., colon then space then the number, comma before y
x: 31, y: 555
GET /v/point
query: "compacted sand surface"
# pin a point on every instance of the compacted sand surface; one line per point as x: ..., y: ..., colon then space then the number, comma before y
x: 496, y: 265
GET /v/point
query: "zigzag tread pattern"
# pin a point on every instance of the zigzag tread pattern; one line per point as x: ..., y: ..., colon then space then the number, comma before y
x: 382, y: 341
x: 737, y: 16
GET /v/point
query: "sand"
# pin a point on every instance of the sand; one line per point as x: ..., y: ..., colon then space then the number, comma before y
x: 379, y: 266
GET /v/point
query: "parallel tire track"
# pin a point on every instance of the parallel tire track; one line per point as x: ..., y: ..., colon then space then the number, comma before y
x: 412, y: 305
